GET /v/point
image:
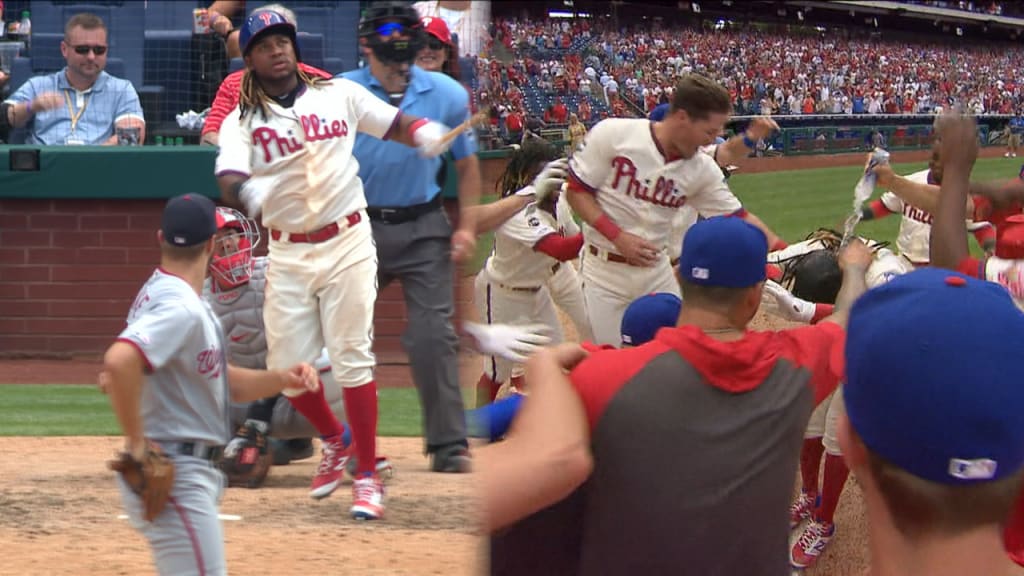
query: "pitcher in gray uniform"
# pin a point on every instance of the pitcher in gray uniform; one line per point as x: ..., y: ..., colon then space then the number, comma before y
x: 169, y: 384
x: 269, y: 428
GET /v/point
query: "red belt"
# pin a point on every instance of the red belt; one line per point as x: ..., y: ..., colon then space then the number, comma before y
x: 317, y: 236
x: 609, y: 256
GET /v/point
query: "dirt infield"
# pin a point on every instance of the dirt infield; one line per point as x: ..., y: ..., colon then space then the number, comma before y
x: 64, y: 520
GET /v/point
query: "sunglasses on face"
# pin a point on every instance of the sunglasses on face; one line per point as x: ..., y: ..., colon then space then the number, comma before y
x: 84, y: 50
x: 434, y: 43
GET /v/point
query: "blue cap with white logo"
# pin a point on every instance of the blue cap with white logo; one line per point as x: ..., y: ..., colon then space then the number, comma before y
x: 648, y: 314
x: 724, y: 251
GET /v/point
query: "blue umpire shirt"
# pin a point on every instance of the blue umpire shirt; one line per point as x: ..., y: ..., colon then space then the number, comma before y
x: 393, y: 174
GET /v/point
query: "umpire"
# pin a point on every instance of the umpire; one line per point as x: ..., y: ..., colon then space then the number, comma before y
x: 415, y: 241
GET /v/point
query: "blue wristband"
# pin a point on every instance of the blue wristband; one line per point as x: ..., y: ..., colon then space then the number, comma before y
x: 748, y: 142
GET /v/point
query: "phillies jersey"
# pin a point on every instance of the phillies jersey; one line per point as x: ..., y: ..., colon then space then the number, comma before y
x: 513, y: 261
x: 185, y: 397
x: 916, y: 224
x: 302, y: 156
x: 1009, y: 274
x: 621, y: 162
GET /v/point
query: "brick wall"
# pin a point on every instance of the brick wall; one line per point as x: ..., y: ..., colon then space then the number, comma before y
x: 70, y: 268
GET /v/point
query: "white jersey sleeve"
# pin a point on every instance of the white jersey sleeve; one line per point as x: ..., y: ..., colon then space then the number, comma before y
x: 893, y: 202
x: 234, y: 154
x: 713, y: 196
x: 1009, y: 274
x: 527, y: 226
x: 374, y: 116
x: 590, y: 165
x: 158, y: 327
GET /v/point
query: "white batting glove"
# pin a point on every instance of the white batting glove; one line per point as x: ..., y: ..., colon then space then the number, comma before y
x: 789, y: 307
x: 550, y: 178
x: 428, y: 138
x: 323, y: 362
x: 252, y: 198
x: 513, y: 343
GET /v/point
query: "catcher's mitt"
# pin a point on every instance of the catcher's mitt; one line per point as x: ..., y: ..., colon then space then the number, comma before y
x: 151, y: 478
x: 247, y: 459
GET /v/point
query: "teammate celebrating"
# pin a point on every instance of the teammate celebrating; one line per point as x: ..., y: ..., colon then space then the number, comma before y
x: 528, y: 271
x: 286, y: 153
x: 628, y: 182
x: 916, y: 224
x: 169, y: 385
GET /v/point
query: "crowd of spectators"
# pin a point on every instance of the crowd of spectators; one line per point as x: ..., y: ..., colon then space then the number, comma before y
x: 981, y: 7
x: 628, y: 72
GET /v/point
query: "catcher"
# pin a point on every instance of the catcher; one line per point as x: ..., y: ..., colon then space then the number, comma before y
x: 234, y: 290
x: 169, y: 386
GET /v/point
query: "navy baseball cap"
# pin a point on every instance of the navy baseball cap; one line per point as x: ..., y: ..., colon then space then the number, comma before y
x: 724, y: 251
x: 188, y: 220
x: 648, y: 314
x: 933, y: 377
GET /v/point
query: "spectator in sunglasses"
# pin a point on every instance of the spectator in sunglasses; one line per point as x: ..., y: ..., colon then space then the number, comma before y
x: 81, y: 104
x: 439, y: 52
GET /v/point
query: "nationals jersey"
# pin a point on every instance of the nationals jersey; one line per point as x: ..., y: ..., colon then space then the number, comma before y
x: 185, y: 397
x: 302, y: 156
x: 240, y: 311
x: 916, y: 224
x: 638, y: 187
x: 513, y: 261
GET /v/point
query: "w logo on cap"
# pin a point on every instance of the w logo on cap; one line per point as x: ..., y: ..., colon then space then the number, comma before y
x: 980, y: 469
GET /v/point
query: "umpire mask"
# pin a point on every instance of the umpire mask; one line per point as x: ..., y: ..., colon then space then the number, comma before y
x: 392, y: 31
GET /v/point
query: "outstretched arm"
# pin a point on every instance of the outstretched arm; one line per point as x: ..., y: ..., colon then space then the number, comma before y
x: 959, y: 150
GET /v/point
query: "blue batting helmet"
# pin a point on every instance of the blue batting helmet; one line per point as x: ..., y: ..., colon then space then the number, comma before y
x: 263, y: 22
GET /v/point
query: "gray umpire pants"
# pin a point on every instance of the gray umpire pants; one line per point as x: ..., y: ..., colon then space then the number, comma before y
x: 418, y: 255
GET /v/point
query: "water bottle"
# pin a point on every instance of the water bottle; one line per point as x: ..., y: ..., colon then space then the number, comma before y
x: 179, y: 141
x: 25, y: 27
x: 159, y: 141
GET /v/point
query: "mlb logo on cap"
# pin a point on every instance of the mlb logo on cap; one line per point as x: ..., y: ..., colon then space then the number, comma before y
x: 188, y: 220
x: 648, y: 314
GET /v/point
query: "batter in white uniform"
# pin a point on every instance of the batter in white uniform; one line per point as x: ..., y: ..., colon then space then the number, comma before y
x: 286, y: 153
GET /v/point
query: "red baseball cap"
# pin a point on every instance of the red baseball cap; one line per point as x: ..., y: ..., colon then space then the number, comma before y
x: 437, y: 28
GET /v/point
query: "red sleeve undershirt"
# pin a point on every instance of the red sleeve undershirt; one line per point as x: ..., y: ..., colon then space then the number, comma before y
x: 822, y: 311
x: 561, y: 248
x: 879, y: 209
x: 985, y: 234
x: 972, y: 267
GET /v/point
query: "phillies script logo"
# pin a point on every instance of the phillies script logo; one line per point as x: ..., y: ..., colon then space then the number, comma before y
x: 209, y: 362
x: 663, y: 194
x: 315, y: 129
x: 916, y: 214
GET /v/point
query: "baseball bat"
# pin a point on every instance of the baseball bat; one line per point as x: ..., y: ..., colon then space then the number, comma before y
x: 477, y: 118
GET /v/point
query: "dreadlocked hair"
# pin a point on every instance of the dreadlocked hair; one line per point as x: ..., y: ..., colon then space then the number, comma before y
x: 252, y: 96
x: 522, y: 167
x: 815, y: 275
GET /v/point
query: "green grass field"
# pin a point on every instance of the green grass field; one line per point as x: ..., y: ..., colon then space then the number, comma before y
x: 75, y: 410
x: 792, y: 203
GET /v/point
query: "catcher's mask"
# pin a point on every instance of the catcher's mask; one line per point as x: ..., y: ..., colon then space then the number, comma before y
x: 379, y: 24
x: 237, y: 238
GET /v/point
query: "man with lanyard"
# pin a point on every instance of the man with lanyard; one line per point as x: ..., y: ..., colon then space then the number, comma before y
x: 415, y: 241
x: 81, y: 104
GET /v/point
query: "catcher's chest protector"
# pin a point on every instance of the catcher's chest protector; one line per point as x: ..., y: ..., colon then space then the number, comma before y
x: 241, y: 314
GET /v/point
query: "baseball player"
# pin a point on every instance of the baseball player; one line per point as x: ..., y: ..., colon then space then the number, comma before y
x: 707, y: 381
x: 628, y: 182
x: 916, y: 224
x: 528, y: 271
x: 415, y: 241
x: 641, y: 321
x: 949, y: 248
x: 286, y: 155
x: 234, y: 289
x: 227, y: 94
x: 169, y: 386
x: 813, y: 271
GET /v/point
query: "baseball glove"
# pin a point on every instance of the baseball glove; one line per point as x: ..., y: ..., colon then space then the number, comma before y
x: 247, y: 458
x: 151, y: 478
